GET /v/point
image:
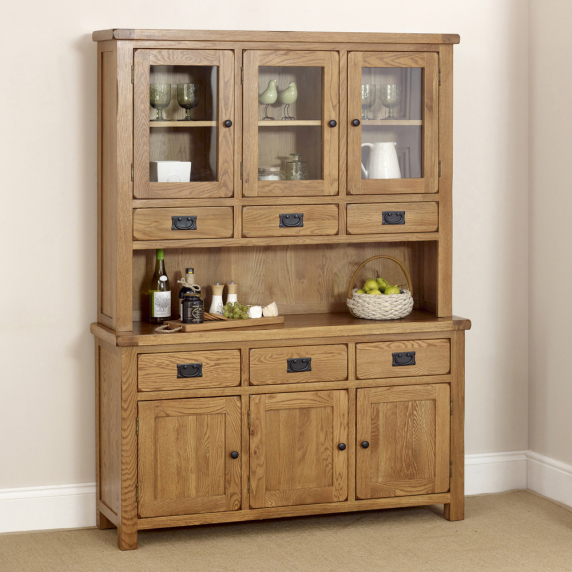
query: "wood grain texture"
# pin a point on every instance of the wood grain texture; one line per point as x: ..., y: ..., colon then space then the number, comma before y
x: 293, y: 511
x: 455, y: 510
x: 265, y: 221
x: 294, y: 454
x: 444, y: 262
x: 143, y: 150
x: 432, y: 357
x: 302, y: 326
x: 269, y: 365
x: 185, y: 465
x: 366, y: 218
x: 127, y: 525
x: 158, y: 372
x: 273, y: 37
x: 156, y: 224
x: 408, y: 433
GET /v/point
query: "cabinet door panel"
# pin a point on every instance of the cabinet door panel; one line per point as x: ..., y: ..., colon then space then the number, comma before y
x: 407, y: 429
x: 185, y: 465
x: 176, y: 157
x: 294, y: 453
x: 393, y: 122
x: 291, y: 107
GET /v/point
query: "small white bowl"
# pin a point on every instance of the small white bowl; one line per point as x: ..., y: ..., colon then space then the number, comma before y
x: 170, y: 172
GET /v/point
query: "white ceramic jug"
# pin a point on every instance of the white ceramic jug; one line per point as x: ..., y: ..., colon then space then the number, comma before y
x: 382, y: 162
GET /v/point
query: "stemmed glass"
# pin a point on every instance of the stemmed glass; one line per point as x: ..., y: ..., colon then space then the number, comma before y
x: 160, y: 98
x: 390, y: 97
x: 367, y: 98
x: 188, y: 98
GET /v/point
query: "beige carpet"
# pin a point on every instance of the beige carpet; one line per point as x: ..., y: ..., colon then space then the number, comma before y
x: 514, y: 531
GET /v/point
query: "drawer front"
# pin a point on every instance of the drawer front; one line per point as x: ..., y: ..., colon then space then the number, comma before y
x: 403, y: 359
x: 183, y: 223
x: 381, y: 218
x: 188, y: 370
x: 290, y: 220
x: 270, y: 366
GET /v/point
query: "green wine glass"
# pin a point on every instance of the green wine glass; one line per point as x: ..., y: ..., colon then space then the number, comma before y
x: 160, y: 97
x: 188, y: 98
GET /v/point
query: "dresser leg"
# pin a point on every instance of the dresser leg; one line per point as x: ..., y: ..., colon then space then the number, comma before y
x: 455, y: 510
x: 102, y: 521
x: 127, y: 537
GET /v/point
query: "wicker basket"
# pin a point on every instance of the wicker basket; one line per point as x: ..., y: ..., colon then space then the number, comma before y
x: 391, y: 307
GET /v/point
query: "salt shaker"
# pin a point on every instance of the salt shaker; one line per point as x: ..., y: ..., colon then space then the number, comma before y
x: 216, y: 304
x: 231, y: 293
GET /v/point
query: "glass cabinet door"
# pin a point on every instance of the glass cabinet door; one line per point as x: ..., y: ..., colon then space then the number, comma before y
x: 393, y: 123
x: 183, y: 123
x: 291, y: 106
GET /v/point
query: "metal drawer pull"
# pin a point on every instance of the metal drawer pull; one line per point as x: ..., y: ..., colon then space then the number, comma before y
x: 393, y: 217
x: 403, y: 358
x: 291, y: 220
x: 297, y: 365
x: 189, y: 370
x: 183, y: 223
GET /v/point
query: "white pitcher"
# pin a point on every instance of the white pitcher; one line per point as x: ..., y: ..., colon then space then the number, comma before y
x: 382, y: 162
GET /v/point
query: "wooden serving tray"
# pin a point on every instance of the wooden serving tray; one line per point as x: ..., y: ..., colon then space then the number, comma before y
x: 224, y: 324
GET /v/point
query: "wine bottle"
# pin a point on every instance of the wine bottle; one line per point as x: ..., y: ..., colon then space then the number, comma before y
x: 159, y: 292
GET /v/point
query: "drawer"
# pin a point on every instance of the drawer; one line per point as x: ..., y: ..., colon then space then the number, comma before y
x: 298, y: 365
x: 290, y: 220
x: 183, y: 223
x: 188, y: 370
x: 380, y: 218
x: 403, y: 359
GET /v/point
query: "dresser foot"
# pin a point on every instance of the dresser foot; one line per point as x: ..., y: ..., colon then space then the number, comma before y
x: 455, y: 511
x: 102, y: 522
x: 127, y: 538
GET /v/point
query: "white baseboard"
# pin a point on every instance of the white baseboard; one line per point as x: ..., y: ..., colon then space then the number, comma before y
x: 73, y: 506
x: 550, y: 478
x: 44, y: 508
x: 495, y: 472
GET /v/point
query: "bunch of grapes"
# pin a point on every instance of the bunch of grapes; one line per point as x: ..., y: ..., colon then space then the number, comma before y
x: 235, y: 311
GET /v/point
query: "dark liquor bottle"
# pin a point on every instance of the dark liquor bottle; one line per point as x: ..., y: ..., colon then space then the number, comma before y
x: 188, y: 287
x: 159, y: 292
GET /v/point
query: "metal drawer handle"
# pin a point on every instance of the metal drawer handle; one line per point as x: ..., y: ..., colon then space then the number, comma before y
x: 297, y: 365
x: 393, y: 217
x: 403, y: 358
x: 291, y: 220
x: 189, y: 370
x: 183, y: 223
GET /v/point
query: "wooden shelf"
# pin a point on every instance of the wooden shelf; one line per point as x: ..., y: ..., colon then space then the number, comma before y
x: 390, y: 122
x: 297, y: 326
x: 289, y: 123
x: 182, y: 123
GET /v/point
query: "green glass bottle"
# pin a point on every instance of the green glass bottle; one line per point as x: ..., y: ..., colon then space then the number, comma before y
x: 159, y: 292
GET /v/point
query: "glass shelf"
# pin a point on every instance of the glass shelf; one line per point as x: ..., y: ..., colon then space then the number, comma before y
x: 290, y: 123
x: 182, y: 123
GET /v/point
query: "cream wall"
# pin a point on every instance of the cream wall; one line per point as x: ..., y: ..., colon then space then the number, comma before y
x: 550, y: 337
x: 48, y: 223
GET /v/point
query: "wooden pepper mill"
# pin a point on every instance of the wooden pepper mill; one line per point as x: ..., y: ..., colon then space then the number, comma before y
x: 216, y: 304
x: 231, y: 293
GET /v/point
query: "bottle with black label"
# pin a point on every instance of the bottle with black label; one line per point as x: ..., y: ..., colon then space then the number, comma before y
x: 159, y: 291
x: 193, y: 309
x: 189, y: 286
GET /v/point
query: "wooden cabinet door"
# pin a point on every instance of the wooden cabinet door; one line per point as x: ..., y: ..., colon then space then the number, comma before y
x: 402, y: 441
x: 291, y: 106
x: 393, y: 128
x: 204, y: 144
x: 185, y: 461
x: 295, y: 453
